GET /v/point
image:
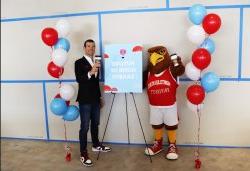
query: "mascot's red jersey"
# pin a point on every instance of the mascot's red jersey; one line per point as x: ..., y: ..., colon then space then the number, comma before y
x: 161, y: 89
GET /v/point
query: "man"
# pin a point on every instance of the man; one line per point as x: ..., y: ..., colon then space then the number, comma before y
x: 89, y: 98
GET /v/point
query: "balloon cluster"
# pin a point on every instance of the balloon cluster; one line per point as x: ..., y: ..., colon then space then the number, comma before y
x: 201, y: 57
x: 60, y: 46
x: 60, y: 105
x: 55, y: 37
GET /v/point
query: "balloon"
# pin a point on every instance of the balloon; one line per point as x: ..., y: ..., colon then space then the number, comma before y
x: 49, y: 36
x: 194, y: 107
x: 211, y: 23
x: 195, y: 94
x: 196, y: 13
x: 62, y: 27
x: 209, y: 45
x: 58, y: 106
x: 54, y: 71
x: 192, y: 72
x: 59, y: 57
x: 67, y: 91
x: 196, y: 34
x: 201, y: 58
x: 71, y: 114
x: 58, y: 96
x: 210, y: 81
x: 63, y: 44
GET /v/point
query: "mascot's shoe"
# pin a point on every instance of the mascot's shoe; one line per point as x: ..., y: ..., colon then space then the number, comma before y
x: 155, y: 148
x: 172, y: 152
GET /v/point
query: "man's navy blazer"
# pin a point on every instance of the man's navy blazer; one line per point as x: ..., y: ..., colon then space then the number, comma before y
x: 89, y: 89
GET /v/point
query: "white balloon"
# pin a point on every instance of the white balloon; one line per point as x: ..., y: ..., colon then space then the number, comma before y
x: 62, y: 27
x: 67, y: 91
x: 193, y: 107
x: 192, y: 71
x: 59, y: 57
x: 196, y: 34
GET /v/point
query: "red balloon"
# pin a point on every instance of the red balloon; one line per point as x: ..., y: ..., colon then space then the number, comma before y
x: 54, y: 70
x: 195, y: 94
x: 211, y: 23
x: 59, y: 96
x: 49, y: 36
x: 201, y: 58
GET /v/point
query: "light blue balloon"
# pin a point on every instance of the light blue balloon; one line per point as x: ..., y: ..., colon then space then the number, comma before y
x: 72, y: 113
x: 210, y: 81
x: 209, y: 45
x: 63, y: 44
x: 58, y: 106
x: 196, y: 13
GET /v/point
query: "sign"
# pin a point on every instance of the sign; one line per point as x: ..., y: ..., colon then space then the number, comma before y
x: 123, y: 68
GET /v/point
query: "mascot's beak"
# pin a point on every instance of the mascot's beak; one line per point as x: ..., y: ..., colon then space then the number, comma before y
x: 155, y: 58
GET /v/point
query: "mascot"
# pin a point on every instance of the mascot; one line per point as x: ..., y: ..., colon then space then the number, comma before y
x: 161, y: 80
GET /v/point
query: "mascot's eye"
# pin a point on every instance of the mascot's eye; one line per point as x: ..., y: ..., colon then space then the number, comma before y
x: 162, y: 52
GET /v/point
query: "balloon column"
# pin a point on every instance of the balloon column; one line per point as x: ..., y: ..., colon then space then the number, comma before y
x: 199, y: 34
x: 60, y: 105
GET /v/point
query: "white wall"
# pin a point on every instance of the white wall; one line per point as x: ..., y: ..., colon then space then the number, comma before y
x: 27, y: 87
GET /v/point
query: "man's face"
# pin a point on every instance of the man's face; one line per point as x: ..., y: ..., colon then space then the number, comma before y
x: 90, y: 49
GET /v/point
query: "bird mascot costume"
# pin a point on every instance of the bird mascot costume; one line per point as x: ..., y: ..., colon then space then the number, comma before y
x: 161, y: 80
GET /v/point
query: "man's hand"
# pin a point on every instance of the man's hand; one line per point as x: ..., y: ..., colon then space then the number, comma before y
x: 95, y: 68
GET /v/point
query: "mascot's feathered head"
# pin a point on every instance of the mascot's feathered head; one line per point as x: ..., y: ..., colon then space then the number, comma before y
x: 159, y: 59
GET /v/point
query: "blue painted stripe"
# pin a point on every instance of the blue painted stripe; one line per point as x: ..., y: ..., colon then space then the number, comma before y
x: 244, y: 79
x: 25, y: 139
x: 100, y: 44
x: 221, y: 79
x: 167, y: 4
x: 81, y: 14
x: 227, y: 6
x: 57, y: 81
x: 117, y: 11
x: 37, y: 81
x: 234, y: 79
x: 46, y: 110
x: 229, y: 79
x: 72, y: 80
x: 47, y: 17
x: 240, y: 43
x: 125, y: 143
x: 214, y: 7
x: 100, y: 33
x: 212, y: 146
x: 22, y: 81
x: 185, y: 79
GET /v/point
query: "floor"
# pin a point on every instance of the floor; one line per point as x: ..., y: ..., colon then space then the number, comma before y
x: 27, y: 155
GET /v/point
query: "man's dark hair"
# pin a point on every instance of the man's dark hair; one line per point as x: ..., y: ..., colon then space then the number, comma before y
x: 88, y: 41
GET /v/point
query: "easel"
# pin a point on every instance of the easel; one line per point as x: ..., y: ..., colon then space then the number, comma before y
x: 127, y: 122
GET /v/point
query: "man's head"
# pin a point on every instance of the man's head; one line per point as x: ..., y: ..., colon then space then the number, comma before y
x: 89, y: 47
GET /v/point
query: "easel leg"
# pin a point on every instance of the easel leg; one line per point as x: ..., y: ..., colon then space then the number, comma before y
x: 141, y: 126
x: 127, y: 117
x: 107, y: 124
